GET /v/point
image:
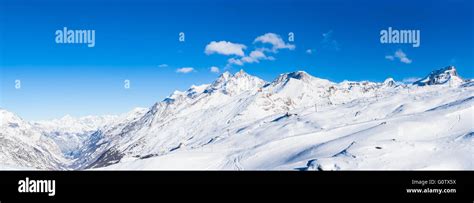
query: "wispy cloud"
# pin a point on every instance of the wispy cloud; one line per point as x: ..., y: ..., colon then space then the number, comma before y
x: 309, y: 51
x: 163, y: 65
x: 399, y: 54
x: 329, y: 42
x: 185, y: 70
x: 225, y: 48
x: 214, y: 69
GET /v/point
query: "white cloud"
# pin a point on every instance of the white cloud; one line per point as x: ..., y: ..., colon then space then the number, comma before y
x: 256, y: 54
x: 254, y: 57
x: 185, y: 70
x: 399, y: 54
x: 405, y: 60
x: 410, y: 79
x: 214, y: 69
x: 309, y: 51
x: 163, y: 65
x: 390, y: 57
x: 402, y: 56
x: 235, y: 61
x: 328, y: 41
x: 225, y: 48
x: 275, y: 40
x: 248, y: 59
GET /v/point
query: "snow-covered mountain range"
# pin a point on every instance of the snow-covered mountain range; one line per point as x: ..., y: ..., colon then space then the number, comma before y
x: 69, y: 132
x: 295, y: 122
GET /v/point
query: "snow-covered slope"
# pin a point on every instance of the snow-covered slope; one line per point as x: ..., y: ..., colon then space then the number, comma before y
x: 301, y: 122
x: 162, y: 128
x: 100, y: 140
x: 23, y: 145
x: 295, y: 122
x: 419, y: 129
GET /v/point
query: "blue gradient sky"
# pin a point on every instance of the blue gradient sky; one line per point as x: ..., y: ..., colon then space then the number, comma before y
x: 134, y: 37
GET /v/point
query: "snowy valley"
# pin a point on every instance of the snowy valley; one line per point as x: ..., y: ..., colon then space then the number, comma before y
x: 241, y: 122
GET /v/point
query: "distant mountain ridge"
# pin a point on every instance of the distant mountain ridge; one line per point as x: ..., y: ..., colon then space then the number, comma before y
x: 447, y: 75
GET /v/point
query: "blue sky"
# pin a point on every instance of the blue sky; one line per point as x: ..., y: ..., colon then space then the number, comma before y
x: 135, y: 38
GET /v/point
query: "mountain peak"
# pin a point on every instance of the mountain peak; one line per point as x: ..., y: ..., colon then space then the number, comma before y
x: 298, y: 75
x: 223, y: 78
x: 389, y: 82
x: 234, y: 84
x: 241, y: 73
x: 7, y: 116
x: 225, y: 75
x: 441, y: 76
x: 67, y: 117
